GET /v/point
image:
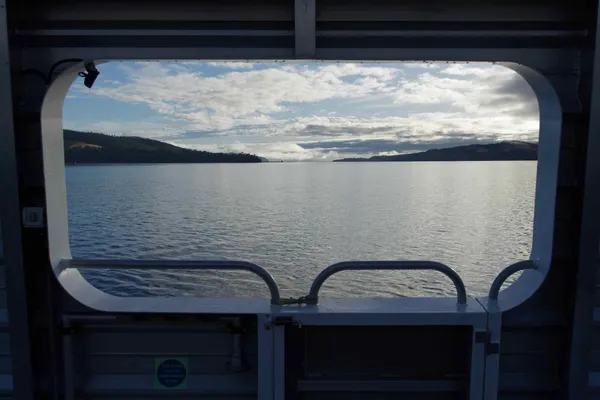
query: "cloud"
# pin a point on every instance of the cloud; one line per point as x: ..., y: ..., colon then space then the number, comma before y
x: 479, y: 91
x: 514, y: 96
x: 219, y: 102
x: 231, y: 64
x: 368, y: 147
x: 422, y: 65
x: 473, y: 70
x: 277, y: 151
x: 128, y: 128
x: 328, y: 150
x: 366, y: 108
x: 417, y: 125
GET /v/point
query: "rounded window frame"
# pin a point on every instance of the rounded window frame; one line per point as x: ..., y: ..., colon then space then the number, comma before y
x: 550, y: 128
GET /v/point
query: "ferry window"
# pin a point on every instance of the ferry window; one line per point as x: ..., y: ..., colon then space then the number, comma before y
x: 296, y: 166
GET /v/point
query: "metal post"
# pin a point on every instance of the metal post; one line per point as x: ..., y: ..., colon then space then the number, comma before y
x: 279, y: 362
x: 492, y: 361
x: 265, y: 357
x: 478, y: 363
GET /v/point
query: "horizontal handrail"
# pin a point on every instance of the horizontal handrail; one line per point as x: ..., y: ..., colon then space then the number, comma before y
x: 176, y: 264
x: 313, y: 296
x: 505, y: 274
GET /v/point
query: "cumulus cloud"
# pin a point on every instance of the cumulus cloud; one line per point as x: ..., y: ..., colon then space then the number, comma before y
x: 421, y: 65
x: 360, y: 108
x: 420, y: 125
x: 277, y: 151
x: 220, y: 102
x: 128, y: 128
x: 231, y: 64
x: 368, y: 147
x: 473, y: 90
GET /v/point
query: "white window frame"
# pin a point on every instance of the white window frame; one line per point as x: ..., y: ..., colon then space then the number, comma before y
x: 550, y: 112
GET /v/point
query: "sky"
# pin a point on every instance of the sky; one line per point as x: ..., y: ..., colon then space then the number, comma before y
x: 306, y: 111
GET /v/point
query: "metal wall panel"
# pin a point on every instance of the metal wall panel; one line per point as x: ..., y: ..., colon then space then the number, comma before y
x: 116, y: 359
x: 462, y: 11
x: 530, y: 365
x: 114, y: 10
x: 382, y: 362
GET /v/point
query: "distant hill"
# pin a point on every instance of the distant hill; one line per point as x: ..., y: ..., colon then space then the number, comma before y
x: 501, y: 151
x: 89, y: 147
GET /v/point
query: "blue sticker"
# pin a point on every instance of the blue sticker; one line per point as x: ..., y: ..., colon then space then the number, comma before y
x: 171, y: 373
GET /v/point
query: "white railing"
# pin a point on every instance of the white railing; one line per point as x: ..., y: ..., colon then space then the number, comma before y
x: 313, y: 296
x: 505, y: 274
x: 191, y: 265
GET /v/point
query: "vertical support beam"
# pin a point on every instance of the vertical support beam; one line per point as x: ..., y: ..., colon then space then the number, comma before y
x: 589, y: 265
x: 478, y: 362
x: 265, y: 357
x: 10, y: 218
x: 279, y: 362
x: 305, y: 28
x: 492, y: 361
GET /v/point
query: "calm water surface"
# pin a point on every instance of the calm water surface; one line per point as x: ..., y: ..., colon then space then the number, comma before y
x: 295, y: 219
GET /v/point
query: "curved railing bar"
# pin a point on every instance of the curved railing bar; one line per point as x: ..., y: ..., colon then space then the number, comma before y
x: 313, y: 296
x: 194, y: 265
x: 505, y: 274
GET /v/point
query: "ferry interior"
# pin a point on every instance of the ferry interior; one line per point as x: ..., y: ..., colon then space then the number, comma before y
x: 537, y: 338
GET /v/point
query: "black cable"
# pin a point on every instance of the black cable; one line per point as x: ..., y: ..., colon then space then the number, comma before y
x: 56, y: 64
x: 48, y: 78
